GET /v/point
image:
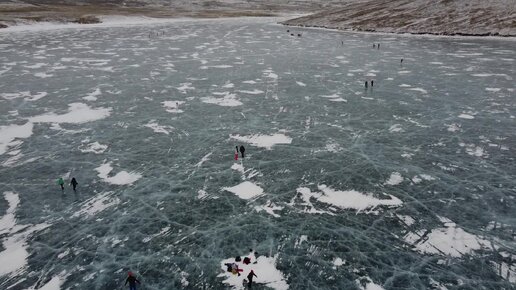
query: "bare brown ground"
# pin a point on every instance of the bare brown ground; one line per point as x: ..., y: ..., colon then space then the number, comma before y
x: 10, y: 14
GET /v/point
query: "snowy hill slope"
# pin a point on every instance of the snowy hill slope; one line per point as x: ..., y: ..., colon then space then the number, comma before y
x: 448, y: 17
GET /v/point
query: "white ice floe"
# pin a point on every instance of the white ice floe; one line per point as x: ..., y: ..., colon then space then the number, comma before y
x: 173, y: 106
x: 301, y: 84
x: 246, y: 190
x: 493, y: 89
x: 348, y: 199
x: 77, y: 113
x: 466, y: 116
x: 97, y: 204
x: 121, y: 178
x: 394, y: 179
x: 94, y: 147
x: 265, y: 270
x: 93, y: 95
x: 229, y: 100
x: 9, y: 133
x: 264, y: 141
x: 450, y: 240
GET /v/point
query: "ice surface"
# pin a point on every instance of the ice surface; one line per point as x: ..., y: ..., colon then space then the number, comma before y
x: 160, y: 193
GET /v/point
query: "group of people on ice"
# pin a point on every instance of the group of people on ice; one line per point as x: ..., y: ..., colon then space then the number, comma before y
x: 241, y: 150
x: 73, y: 183
x: 235, y: 269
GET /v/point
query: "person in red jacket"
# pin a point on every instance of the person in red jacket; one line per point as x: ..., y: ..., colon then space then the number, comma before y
x: 132, y: 281
x: 236, y: 153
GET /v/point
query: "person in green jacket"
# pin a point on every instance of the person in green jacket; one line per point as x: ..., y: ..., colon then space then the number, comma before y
x: 60, y: 181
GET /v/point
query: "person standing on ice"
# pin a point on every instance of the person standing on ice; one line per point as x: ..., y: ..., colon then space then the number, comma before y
x: 60, y: 181
x: 132, y: 281
x: 250, y: 278
x: 236, y: 152
x: 366, y: 85
x: 242, y: 150
x: 74, y: 183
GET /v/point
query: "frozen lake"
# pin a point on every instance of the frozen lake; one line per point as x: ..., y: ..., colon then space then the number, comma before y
x: 406, y: 185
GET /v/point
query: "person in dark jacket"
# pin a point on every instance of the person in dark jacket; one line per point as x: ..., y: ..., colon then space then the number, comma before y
x: 250, y: 278
x: 242, y: 150
x: 132, y: 281
x: 74, y: 183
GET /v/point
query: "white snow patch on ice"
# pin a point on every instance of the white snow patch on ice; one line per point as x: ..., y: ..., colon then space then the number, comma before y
x: 157, y: 127
x: 246, y: 190
x: 394, y: 179
x: 269, y: 208
x: 418, y: 90
x: 94, y: 147
x: 265, y: 270
x: 466, y: 116
x: 93, y: 95
x: 173, y: 106
x: 121, y: 178
x: 9, y: 133
x: 348, y: 199
x: 264, y: 141
x: 300, y: 84
x: 238, y: 167
x: 97, y: 204
x: 449, y: 240
x: 229, y: 100
x: 14, y: 256
x: 395, y: 128
x: 78, y: 113
x: 253, y: 92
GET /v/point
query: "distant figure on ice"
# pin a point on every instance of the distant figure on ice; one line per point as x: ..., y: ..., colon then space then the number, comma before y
x: 132, y: 281
x: 299, y: 35
x: 236, y: 153
x: 242, y: 150
x: 247, y: 260
x: 401, y: 62
x: 374, y: 45
x: 74, y: 183
x: 366, y: 85
x: 372, y: 83
x: 342, y: 42
x: 378, y: 46
x: 60, y: 181
x: 250, y: 278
